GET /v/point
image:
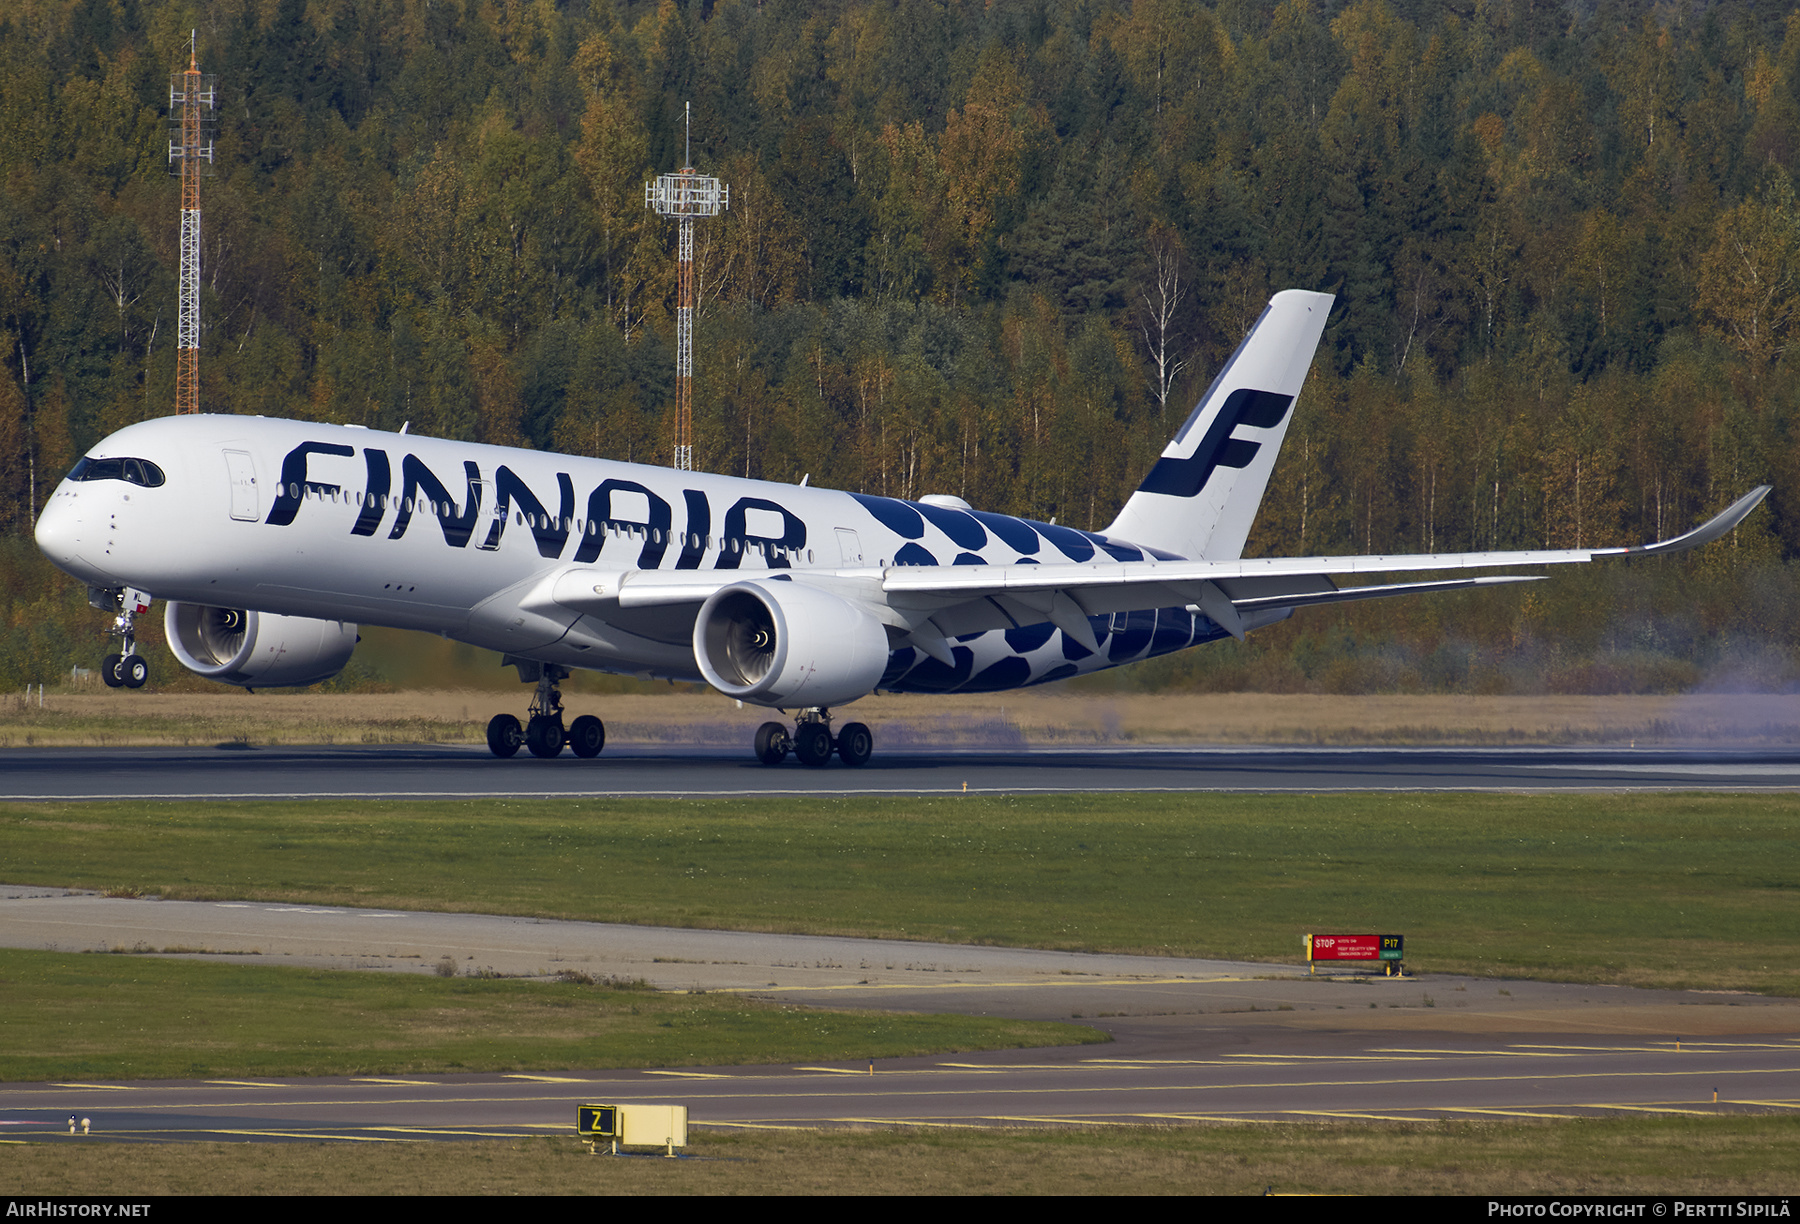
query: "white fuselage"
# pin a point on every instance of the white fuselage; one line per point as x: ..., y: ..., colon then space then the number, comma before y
x: 356, y: 525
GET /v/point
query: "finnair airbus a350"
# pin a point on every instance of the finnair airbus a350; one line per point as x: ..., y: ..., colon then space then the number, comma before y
x: 273, y: 540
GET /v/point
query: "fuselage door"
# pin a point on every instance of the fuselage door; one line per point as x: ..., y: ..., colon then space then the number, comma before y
x: 849, y: 547
x: 491, y: 522
x: 243, y: 485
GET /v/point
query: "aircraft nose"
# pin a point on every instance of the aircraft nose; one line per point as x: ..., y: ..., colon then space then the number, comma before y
x: 59, y: 533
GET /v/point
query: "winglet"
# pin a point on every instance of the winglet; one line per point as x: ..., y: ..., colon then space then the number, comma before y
x: 1705, y: 533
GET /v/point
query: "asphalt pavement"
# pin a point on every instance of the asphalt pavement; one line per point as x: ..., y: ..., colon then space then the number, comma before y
x: 461, y: 772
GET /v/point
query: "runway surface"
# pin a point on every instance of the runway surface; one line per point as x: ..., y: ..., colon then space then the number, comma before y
x: 462, y: 772
x: 1192, y: 1040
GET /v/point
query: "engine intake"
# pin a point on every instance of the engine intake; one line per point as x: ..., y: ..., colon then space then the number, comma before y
x: 780, y: 643
x: 257, y: 649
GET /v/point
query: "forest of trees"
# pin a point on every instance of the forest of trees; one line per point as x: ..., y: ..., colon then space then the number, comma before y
x: 991, y: 249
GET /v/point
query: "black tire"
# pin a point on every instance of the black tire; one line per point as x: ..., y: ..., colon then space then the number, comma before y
x: 504, y: 735
x: 135, y: 671
x: 544, y: 737
x: 772, y: 743
x: 856, y: 743
x: 112, y: 670
x: 812, y: 744
x: 587, y: 736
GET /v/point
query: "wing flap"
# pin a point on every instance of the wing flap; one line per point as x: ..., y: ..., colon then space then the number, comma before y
x: 1381, y: 591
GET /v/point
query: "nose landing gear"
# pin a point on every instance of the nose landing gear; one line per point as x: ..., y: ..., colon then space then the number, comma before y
x: 126, y: 668
x: 543, y: 734
x: 812, y: 742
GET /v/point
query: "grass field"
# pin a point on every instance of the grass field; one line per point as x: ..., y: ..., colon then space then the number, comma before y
x: 1651, y: 890
x: 655, y: 714
x: 72, y: 1016
x: 1717, y: 1156
x: 1647, y: 889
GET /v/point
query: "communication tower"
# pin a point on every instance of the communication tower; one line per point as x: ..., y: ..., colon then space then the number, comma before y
x: 685, y: 196
x: 191, y: 100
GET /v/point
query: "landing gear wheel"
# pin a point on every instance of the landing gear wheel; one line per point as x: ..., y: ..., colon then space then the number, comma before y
x: 544, y: 737
x: 112, y: 670
x: 587, y: 736
x: 504, y: 735
x: 772, y: 743
x: 134, y: 671
x: 812, y: 744
x: 855, y: 744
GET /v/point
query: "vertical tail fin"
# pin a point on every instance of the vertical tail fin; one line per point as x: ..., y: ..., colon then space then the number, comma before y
x: 1202, y: 495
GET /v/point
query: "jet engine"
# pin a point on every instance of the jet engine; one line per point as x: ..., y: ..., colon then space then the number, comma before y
x: 782, y: 643
x: 257, y: 649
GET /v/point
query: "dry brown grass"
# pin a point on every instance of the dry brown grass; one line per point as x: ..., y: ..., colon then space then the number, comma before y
x: 1741, y: 1155
x: 105, y: 717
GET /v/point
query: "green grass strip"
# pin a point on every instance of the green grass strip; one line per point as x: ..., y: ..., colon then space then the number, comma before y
x: 73, y: 1016
x: 1650, y: 890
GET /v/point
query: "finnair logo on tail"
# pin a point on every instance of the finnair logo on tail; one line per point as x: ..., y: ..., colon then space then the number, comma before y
x: 1186, y: 477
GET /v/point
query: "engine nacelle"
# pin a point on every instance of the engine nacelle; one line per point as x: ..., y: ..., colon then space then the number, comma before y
x: 779, y: 643
x: 257, y: 649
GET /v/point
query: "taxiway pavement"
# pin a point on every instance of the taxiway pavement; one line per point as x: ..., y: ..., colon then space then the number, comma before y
x: 1412, y: 1078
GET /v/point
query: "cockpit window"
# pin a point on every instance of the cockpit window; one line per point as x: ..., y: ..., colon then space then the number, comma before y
x: 131, y: 471
x: 143, y: 472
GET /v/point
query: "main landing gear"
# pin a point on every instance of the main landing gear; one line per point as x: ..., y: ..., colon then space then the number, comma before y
x: 543, y: 733
x: 812, y: 742
x: 125, y: 667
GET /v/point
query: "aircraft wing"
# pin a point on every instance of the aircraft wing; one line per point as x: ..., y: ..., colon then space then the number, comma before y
x: 934, y: 603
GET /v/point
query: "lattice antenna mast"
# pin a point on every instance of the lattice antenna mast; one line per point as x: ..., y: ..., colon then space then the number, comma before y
x: 191, y: 100
x: 685, y: 196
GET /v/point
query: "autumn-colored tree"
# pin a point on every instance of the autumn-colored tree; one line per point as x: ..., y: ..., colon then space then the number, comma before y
x: 613, y: 155
x: 972, y: 248
x: 1750, y: 279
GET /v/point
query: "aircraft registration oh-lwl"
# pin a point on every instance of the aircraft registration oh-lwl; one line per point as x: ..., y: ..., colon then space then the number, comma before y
x: 273, y: 540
